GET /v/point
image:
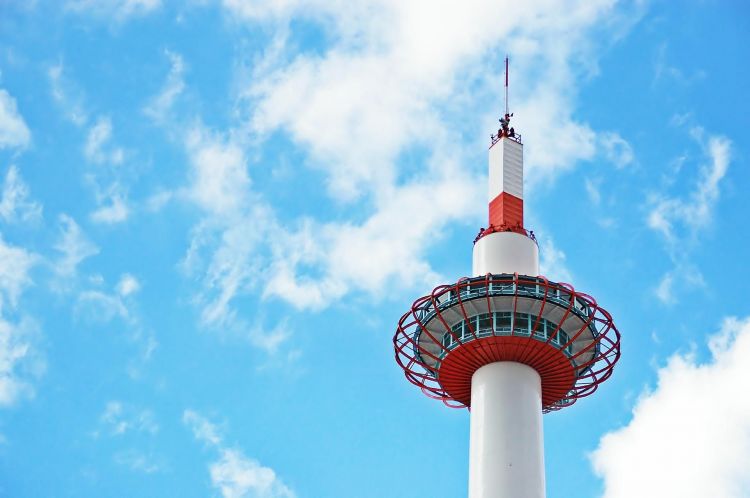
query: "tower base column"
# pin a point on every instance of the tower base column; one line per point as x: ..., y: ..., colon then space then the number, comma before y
x: 506, y: 458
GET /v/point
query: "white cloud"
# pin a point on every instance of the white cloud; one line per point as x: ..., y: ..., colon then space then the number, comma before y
x: 664, y: 290
x: 616, y: 149
x: 161, y: 104
x: 219, y: 179
x: 246, y: 245
x: 690, y: 436
x: 20, y: 360
x: 237, y: 476
x: 66, y: 96
x: 552, y: 261
x: 233, y: 229
x: 13, y: 349
x: 15, y: 264
x: 13, y: 129
x: 593, y: 189
x: 128, y: 285
x: 270, y: 341
x: 118, y: 10
x: 679, y: 219
x: 74, y: 247
x: 387, y: 85
x: 396, y: 78
x: 234, y: 474
x: 118, y: 419
x: 671, y: 74
x: 100, y: 306
x: 115, y: 212
x: 158, y: 200
x: 368, y: 256
x: 139, y: 461
x: 682, y: 277
x: 387, y: 81
x: 97, y: 148
x: 203, y: 430
x: 695, y: 211
x: 15, y: 205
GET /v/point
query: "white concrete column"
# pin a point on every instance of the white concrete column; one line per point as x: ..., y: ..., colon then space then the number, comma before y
x: 506, y: 458
x: 505, y: 252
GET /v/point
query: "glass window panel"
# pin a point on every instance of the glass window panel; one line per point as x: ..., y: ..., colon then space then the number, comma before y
x: 521, y: 324
x: 485, y: 322
x: 502, y: 321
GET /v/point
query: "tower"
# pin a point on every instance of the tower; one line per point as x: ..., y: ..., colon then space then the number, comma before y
x: 506, y: 342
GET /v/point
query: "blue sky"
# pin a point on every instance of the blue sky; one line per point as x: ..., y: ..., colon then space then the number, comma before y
x: 212, y: 215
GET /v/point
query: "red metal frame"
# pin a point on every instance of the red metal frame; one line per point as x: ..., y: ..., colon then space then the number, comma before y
x: 563, y: 382
x: 505, y: 228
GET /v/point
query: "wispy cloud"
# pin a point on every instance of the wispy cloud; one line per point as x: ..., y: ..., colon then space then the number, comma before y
x: 232, y: 229
x: 74, y: 247
x: 369, y: 123
x: 15, y: 264
x: 98, y: 148
x: 370, y: 120
x: 20, y: 359
x: 694, y: 406
x: 237, y: 476
x: 125, y: 424
x: 552, y: 262
x: 13, y: 129
x: 128, y: 285
x: 118, y: 419
x: 203, y: 430
x: 694, y: 211
x: 161, y: 104
x: 66, y: 95
x: 15, y: 204
x: 139, y: 461
x: 679, y: 219
x: 682, y: 277
x: 664, y: 71
x: 99, y: 306
x: 114, y: 210
x: 616, y: 149
x: 233, y: 473
x: 116, y: 10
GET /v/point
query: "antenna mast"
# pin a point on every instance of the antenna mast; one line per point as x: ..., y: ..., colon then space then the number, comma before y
x: 506, y: 85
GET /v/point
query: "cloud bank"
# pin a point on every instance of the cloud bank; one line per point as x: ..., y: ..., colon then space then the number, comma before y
x: 690, y: 436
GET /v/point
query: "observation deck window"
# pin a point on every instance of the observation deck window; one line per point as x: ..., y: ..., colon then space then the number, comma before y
x: 501, y: 323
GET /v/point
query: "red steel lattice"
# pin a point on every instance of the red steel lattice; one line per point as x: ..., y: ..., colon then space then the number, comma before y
x: 567, y: 373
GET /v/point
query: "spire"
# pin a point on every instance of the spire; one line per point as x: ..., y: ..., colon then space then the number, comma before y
x: 506, y: 86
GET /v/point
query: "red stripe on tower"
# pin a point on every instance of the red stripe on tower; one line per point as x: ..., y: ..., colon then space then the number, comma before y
x: 506, y: 210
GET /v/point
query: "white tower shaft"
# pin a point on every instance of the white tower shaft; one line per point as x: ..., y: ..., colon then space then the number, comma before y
x: 506, y: 458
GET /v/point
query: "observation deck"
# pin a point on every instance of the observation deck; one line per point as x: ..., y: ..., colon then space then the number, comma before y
x: 563, y: 334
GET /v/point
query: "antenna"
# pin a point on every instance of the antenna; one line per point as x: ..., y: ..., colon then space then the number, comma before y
x: 506, y: 85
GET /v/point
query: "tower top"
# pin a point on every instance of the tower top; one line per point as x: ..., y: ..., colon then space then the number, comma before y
x: 505, y: 130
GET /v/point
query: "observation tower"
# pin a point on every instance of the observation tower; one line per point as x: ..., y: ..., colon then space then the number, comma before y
x: 507, y: 343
